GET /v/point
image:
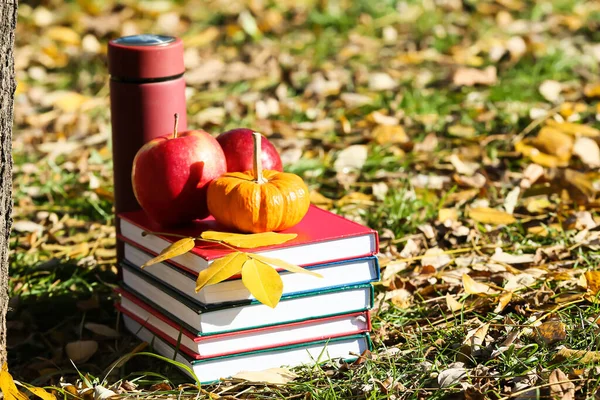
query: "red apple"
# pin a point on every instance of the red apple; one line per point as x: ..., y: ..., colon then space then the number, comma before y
x: 238, y: 147
x: 171, y: 173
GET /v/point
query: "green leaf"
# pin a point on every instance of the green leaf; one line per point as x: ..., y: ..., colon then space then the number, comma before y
x: 251, y: 240
x: 276, y: 263
x: 262, y: 281
x: 221, y: 269
x: 178, y: 248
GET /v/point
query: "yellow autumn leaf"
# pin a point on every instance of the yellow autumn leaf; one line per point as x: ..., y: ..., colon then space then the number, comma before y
x: 580, y: 181
x: 445, y: 214
x: 276, y: 263
x: 552, y: 331
x: 69, y: 101
x: 22, y: 87
x: 473, y: 287
x: 452, y: 303
x: 574, y: 129
x: 491, y: 216
x: 592, y: 90
x: 262, y: 281
x: 178, y: 248
x: 94, y: 7
x: 581, y: 356
x: 503, y: 301
x: 221, y: 269
x: 63, y: 34
x: 40, y: 392
x: 8, y: 387
x: 538, y: 157
x: 554, y: 142
x: 389, y: 134
x: 592, y: 279
x: 201, y: 39
x: 251, y: 240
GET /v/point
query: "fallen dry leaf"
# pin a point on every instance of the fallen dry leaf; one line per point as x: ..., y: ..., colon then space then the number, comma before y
x: 275, y: 376
x: 581, y: 356
x: 462, y: 131
x: 463, y: 167
x: 554, y: 142
x: 592, y: 90
x: 351, y: 158
x: 102, y: 330
x: 532, y: 173
x: 387, y: 134
x: 546, y: 160
x: 435, y: 257
x: 102, y: 393
x: 588, y: 151
x: 67, y: 101
x: 592, y: 279
x: 519, y: 281
x: 379, y: 81
x: 8, y: 387
x: 579, y: 184
x: 560, y: 386
x: 574, y: 129
x: 473, y: 287
x: 552, y: 331
x: 401, y: 298
x: 487, y: 215
x: 473, y: 341
x: 452, y: 303
x: 503, y: 301
x: 501, y: 256
x: 550, y: 90
x: 81, y: 350
x: 512, y: 198
x: 472, y: 76
x: 447, y: 214
x: 451, y: 376
x: 27, y: 226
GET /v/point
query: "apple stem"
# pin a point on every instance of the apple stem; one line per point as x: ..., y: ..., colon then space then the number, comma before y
x: 258, y: 174
x: 175, y: 127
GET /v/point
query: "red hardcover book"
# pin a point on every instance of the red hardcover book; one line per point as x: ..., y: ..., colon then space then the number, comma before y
x: 322, y: 237
x: 201, y: 347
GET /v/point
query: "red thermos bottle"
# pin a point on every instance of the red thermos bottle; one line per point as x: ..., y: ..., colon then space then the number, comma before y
x: 146, y: 90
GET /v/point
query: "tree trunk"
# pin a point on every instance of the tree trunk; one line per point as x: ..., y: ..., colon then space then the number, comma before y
x: 8, y: 23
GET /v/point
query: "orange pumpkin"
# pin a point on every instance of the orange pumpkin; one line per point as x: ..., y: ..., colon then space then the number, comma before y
x: 258, y: 201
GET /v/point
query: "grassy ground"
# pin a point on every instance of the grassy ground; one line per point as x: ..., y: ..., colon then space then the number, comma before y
x: 416, y: 118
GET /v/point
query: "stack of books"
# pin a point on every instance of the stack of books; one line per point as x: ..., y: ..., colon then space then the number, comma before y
x: 222, y: 329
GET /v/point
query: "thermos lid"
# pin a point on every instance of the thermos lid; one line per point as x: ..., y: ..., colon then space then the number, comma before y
x: 145, y: 57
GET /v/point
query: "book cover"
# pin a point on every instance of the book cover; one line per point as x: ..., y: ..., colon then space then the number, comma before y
x: 336, y: 274
x: 250, y: 340
x: 234, y: 317
x: 322, y: 236
x: 210, y: 370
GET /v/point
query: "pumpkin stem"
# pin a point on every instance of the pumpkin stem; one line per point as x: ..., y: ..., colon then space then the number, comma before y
x: 258, y: 174
x: 175, y: 126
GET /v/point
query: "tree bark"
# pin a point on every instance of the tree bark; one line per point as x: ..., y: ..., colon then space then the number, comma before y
x: 8, y: 23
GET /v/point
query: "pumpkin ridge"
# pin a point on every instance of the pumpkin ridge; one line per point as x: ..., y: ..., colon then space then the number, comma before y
x: 239, y: 202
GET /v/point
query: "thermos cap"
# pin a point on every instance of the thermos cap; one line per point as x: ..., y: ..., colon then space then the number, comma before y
x: 145, y: 57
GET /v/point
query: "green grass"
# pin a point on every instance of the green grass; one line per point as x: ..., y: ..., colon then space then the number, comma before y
x: 63, y: 276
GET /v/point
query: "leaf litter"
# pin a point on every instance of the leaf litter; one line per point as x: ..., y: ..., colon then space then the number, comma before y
x: 473, y: 153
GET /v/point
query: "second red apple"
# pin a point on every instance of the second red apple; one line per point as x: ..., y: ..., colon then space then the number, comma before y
x: 238, y: 148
